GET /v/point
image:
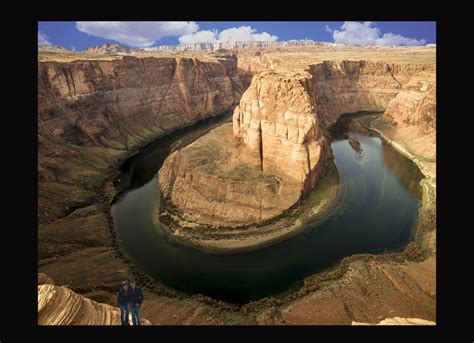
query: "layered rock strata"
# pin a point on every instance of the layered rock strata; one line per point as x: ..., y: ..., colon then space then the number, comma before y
x: 210, y: 182
x: 280, y: 127
x: 271, y: 159
x: 400, y: 321
x: 93, y: 102
x: 92, y: 113
x: 75, y: 248
x: 352, y: 86
x: 59, y: 305
x: 89, y: 112
x: 62, y: 306
x: 412, y: 115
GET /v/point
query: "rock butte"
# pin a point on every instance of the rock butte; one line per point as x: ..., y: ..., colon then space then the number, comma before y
x: 210, y: 182
x: 280, y: 144
x: 96, y: 110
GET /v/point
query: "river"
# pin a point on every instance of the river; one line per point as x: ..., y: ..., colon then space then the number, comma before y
x: 377, y: 215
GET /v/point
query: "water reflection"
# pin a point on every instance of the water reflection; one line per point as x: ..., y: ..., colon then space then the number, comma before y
x: 404, y: 169
x: 377, y: 214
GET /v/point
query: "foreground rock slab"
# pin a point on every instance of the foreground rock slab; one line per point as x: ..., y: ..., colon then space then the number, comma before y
x: 58, y: 305
x: 400, y: 321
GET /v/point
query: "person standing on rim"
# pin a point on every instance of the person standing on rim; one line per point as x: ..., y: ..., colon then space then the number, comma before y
x: 135, y: 297
x: 122, y: 299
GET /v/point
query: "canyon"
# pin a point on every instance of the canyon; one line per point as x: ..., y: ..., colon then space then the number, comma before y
x: 92, y: 115
x: 103, y: 108
x: 94, y: 112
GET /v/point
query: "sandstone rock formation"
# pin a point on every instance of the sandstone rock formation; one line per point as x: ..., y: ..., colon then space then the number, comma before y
x: 118, y: 105
x: 400, y: 321
x: 277, y: 122
x: 281, y: 146
x: 211, y: 183
x: 280, y: 124
x: 89, y: 102
x: 92, y: 113
x: 44, y: 279
x: 352, y: 86
x: 61, y: 306
x: 74, y: 160
x: 412, y: 113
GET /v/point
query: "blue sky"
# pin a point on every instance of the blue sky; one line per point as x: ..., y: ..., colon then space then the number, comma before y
x: 81, y: 35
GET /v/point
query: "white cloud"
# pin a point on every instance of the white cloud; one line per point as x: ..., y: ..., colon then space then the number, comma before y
x: 199, y: 37
x: 234, y: 34
x: 328, y: 29
x: 264, y: 37
x: 138, y: 34
x: 366, y: 33
x: 245, y: 33
x: 43, y: 39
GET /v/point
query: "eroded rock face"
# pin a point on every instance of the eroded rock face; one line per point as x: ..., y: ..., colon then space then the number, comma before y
x: 279, y: 126
x: 88, y: 102
x: 276, y: 120
x: 44, y: 279
x: 273, y: 157
x: 412, y: 113
x: 212, y: 182
x: 400, y: 321
x: 352, y: 86
x: 92, y: 113
x: 62, y: 306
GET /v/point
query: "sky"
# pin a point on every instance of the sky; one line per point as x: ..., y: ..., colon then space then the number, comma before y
x: 81, y: 35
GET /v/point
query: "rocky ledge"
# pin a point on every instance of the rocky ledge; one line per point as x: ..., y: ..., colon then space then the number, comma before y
x: 58, y: 305
x: 400, y: 321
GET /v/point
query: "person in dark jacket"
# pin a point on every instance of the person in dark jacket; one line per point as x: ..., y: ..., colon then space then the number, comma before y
x: 122, y: 299
x: 135, y: 297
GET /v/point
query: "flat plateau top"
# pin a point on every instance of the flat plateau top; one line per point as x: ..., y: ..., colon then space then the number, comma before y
x: 289, y: 57
x: 79, y: 56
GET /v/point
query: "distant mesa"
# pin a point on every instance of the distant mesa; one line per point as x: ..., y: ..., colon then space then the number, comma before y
x: 207, y: 47
x: 118, y: 48
x: 109, y: 48
x: 52, y: 48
